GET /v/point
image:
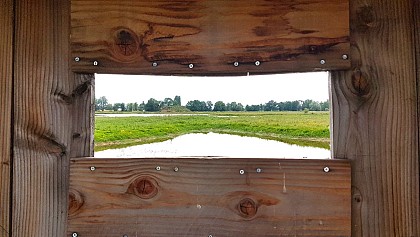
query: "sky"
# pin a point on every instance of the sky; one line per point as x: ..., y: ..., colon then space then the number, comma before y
x: 247, y: 90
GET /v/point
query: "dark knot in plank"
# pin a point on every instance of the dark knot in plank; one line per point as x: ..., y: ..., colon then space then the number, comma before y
x: 143, y: 187
x: 247, y: 208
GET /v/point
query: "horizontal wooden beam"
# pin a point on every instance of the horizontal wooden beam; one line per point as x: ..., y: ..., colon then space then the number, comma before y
x: 208, y: 37
x: 203, y: 197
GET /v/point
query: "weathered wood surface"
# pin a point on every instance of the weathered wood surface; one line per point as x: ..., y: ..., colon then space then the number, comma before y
x: 6, y: 77
x: 375, y: 121
x: 128, y: 36
x: 83, y: 116
x: 42, y: 117
x: 209, y: 197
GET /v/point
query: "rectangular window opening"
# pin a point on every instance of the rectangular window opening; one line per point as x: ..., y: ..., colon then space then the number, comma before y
x: 266, y: 116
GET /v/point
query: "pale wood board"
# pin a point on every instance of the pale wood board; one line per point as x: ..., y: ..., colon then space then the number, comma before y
x: 83, y: 116
x: 202, y: 197
x: 42, y: 118
x: 128, y: 36
x: 375, y: 120
x: 6, y: 79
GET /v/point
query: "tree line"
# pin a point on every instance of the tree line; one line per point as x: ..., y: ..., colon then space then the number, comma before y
x: 169, y: 104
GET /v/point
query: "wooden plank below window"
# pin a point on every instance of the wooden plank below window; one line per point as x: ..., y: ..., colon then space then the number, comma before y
x: 125, y: 36
x: 209, y: 197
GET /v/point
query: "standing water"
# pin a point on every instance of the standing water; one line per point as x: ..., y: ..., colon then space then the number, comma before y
x: 216, y: 145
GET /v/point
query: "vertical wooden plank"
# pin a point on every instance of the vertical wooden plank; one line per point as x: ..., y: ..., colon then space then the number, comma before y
x: 6, y: 78
x: 83, y: 116
x: 375, y: 122
x: 416, y: 17
x: 42, y: 131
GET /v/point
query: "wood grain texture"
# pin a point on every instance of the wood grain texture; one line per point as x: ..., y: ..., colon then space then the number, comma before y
x: 6, y: 79
x: 128, y: 36
x: 375, y: 121
x: 209, y: 197
x: 42, y: 116
x: 83, y: 116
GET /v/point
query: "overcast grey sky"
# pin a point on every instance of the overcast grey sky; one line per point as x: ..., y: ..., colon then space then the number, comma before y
x: 246, y: 89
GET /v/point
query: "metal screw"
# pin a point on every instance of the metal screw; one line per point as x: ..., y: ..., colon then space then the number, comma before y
x: 157, y: 168
x: 322, y: 61
x: 154, y: 64
x: 77, y: 59
x: 95, y: 63
x: 236, y: 64
x: 259, y: 170
x: 92, y: 168
x: 191, y: 66
x: 74, y: 234
x: 326, y: 169
x: 125, y: 235
x: 210, y: 235
x: 241, y: 171
x: 257, y: 63
x: 176, y: 169
x: 345, y: 57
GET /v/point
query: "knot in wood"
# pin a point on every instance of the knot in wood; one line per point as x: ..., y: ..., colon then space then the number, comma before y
x: 144, y: 187
x: 360, y: 83
x: 76, y: 201
x: 126, y: 42
x: 247, y: 208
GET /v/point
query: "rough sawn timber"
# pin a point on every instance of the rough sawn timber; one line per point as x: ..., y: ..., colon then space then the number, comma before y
x: 375, y: 120
x: 43, y: 95
x: 126, y: 36
x: 203, y: 197
x: 6, y: 79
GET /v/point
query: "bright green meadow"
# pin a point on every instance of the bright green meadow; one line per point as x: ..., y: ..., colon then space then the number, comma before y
x: 308, y: 129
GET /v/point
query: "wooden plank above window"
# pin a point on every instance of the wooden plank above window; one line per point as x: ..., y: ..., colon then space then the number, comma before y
x: 209, y: 197
x: 209, y: 37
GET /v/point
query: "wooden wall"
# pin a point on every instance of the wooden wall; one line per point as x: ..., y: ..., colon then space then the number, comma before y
x: 374, y: 109
x: 6, y: 77
x: 375, y: 120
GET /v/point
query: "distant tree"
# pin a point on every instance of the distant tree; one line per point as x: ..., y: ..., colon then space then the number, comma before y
x: 135, y: 106
x: 177, y: 100
x: 209, y: 106
x: 233, y: 106
x: 219, y: 106
x: 101, y: 103
x: 197, y: 105
x: 152, y: 105
x: 253, y: 108
x: 270, y: 106
x: 314, y: 106
x: 130, y: 107
x: 119, y: 107
x: 325, y: 106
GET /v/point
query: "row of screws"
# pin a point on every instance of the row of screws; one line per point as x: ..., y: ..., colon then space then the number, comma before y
x: 236, y: 64
x: 176, y: 169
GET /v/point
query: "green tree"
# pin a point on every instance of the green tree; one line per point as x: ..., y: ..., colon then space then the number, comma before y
x: 219, y: 106
x: 152, y: 105
x: 177, y: 100
x: 101, y: 103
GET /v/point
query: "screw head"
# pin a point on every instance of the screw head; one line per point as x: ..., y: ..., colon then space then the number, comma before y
x: 125, y: 235
x: 259, y: 170
x: 92, y: 168
x: 77, y: 59
x: 176, y: 169
x: 154, y: 64
x: 326, y: 169
x: 95, y: 63
x: 236, y: 64
x: 74, y: 234
x: 191, y: 66
x: 257, y: 63
x: 322, y: 61
x: 158, y: 168
x: 241, y: 171
x: 210, y: 235
x: 345, y: 57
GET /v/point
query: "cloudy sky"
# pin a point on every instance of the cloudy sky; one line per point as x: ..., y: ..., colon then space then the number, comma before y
x: 246, y: 90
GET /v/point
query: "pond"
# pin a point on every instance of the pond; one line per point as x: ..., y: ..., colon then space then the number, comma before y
x: 216, y: 145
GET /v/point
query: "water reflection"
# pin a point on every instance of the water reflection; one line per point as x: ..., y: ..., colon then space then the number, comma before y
x: 217, y: 145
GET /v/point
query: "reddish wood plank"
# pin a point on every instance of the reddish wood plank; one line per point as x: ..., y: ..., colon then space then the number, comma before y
x: 6, y: 79
x: 203, y: 197
x: 128, y: 36
x: 375, y: 120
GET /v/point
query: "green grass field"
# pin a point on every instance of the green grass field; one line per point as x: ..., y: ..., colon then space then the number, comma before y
x: 311, y: 129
